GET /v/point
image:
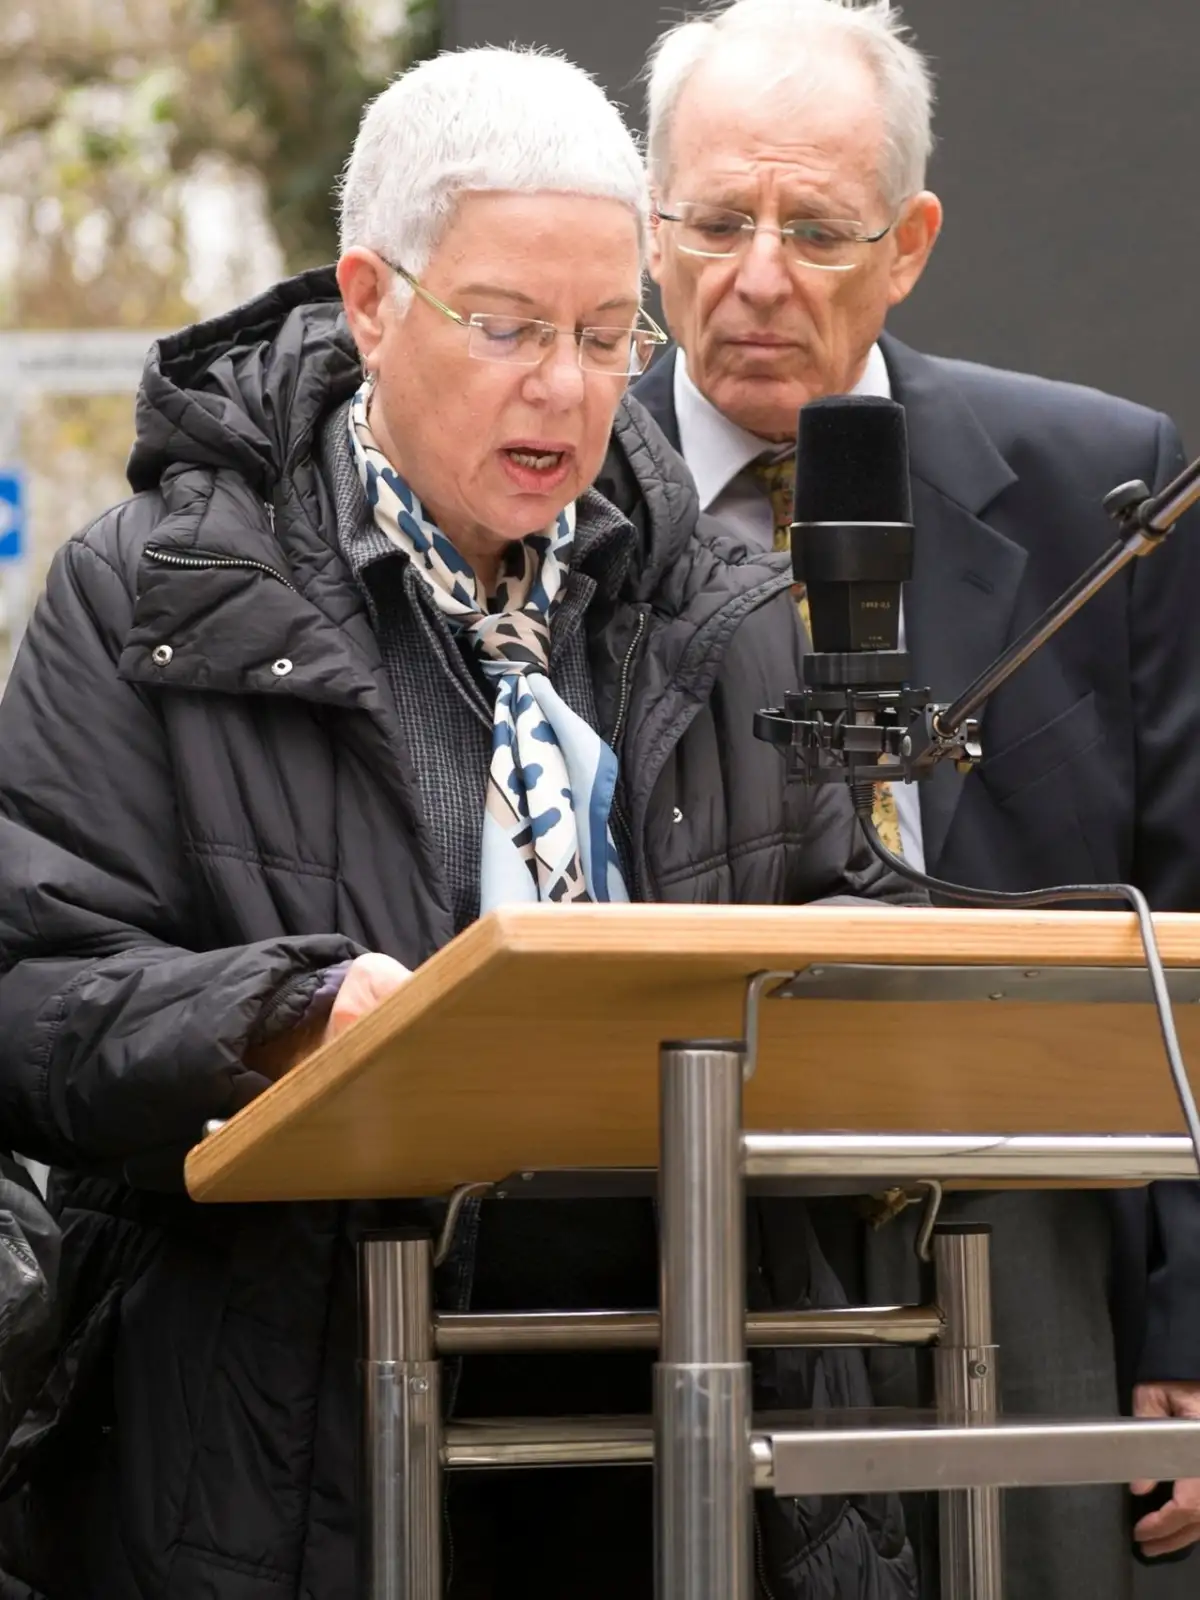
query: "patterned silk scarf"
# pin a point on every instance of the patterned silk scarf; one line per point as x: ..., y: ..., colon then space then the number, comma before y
x: 546, y: 832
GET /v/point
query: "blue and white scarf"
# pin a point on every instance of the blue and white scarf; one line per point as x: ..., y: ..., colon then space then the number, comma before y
x: 546, y: 832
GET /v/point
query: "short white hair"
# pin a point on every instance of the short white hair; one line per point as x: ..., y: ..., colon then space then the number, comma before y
x: 789, y: 35
x: 484, y: 120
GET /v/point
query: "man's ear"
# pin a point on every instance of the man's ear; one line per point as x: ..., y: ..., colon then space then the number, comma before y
x: 655, y: 243
x: 916, y: 234
x: 366, y: 283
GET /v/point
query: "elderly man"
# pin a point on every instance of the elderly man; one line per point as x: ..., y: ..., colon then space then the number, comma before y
x: 788, y: 143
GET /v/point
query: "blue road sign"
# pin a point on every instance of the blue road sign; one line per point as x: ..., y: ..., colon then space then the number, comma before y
x: 12, y: 515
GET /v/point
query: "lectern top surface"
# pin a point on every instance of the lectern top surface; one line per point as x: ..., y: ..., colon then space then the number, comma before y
x: 530, y: 1042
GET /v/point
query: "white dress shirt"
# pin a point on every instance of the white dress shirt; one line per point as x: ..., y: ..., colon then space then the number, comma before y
x: 718, y: 452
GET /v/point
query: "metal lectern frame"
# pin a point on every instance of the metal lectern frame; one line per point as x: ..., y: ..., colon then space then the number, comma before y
x: 707, y: 1451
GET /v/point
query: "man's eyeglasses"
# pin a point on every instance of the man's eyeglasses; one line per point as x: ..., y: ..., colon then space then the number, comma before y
x: 828, y: 243
x: 525, y: 341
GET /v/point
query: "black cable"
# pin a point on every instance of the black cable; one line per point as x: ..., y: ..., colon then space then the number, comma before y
x: 863, y: 797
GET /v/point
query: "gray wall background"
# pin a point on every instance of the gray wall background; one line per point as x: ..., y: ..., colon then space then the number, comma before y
x: 1068, y: 155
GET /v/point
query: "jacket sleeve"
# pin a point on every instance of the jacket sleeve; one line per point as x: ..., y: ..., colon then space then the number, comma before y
x: 118, y: 1038
x: 1165, y: 651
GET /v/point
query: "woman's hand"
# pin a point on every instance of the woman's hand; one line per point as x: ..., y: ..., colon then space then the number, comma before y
x: 367, y: 984
x: 368, y: 981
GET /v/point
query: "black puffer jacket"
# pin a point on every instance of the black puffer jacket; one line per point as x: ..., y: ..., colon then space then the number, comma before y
x: 29, y: 1249
x: 183, y: 833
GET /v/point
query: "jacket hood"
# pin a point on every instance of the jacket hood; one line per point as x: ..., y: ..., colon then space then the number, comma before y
x: 244, y: 391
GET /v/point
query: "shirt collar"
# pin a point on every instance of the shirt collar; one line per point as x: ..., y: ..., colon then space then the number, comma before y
x: 716, y: 449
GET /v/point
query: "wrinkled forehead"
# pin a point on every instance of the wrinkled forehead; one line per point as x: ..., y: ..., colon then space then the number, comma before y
x: 808, y: 126
x: 540, y: 231
x: 545, y: 254
x: 560, y: 229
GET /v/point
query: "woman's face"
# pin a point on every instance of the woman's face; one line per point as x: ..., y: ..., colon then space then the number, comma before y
x: 496, y: 450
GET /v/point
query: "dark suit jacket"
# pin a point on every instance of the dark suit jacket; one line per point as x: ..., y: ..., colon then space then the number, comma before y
x: 1092, y: 751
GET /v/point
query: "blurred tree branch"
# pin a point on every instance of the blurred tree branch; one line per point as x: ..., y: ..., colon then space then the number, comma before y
x: 283, y: 73
x: 137, y: 136
x: 105, y: 100
x: 288, y: 60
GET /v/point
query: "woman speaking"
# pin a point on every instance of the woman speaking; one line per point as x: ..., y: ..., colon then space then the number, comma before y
x: 364, y: 656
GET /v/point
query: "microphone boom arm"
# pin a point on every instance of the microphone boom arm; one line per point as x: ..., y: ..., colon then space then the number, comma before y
x: 1146, y: 520
x: 856, y: 720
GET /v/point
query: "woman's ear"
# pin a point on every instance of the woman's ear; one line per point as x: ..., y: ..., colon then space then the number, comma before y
x: 366, y: 285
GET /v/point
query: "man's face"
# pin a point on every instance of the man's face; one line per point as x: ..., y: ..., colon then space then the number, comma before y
x: 764, y: 333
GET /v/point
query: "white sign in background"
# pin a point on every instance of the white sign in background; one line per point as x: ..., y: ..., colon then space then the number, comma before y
x: 48, y: 362
x: 74, y: 360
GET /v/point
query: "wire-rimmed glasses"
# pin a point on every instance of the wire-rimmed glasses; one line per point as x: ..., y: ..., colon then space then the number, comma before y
x: 831, y: 244
x: 525, y: 341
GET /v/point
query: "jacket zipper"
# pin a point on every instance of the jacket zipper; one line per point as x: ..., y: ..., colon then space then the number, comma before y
x: 760, y: 1559
x: 626, y: 673
x: 622, y: 706
x: 468, y: 1240
x: 618, y: 816
x: 198, y: 563
x: 448, y: 1538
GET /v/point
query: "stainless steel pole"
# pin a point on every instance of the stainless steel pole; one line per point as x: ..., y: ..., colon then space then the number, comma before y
x: 459, y: 1333
x: 1084, y: 1158
x: 402, y: 1423
x: 965, y: 1385
x: 702, y: 1382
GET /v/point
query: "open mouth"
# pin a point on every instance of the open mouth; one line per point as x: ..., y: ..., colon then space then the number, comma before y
x: 532, y: 469
x: 537, y: 460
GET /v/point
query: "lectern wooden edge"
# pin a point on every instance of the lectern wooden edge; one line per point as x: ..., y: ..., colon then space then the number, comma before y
x: 962, y: 1044
x: 526, y: 1043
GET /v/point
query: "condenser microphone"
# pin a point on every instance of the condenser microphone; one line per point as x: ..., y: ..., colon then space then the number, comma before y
x: 852, y: 534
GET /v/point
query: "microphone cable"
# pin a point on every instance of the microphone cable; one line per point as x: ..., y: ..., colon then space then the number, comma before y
x: 862, y: 794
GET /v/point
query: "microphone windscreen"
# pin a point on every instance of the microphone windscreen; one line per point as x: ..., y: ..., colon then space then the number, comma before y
x: 852, y: 461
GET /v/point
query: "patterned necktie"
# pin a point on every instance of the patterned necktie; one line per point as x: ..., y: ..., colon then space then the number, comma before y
x: 777, y: 479
x: 546, y: 828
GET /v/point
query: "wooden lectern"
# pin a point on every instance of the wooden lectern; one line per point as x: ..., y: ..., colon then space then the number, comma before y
x: 865, y: 1046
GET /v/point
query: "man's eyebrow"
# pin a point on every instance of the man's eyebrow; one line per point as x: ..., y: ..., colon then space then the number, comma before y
x: 820, y: 206
x: 808, y: 205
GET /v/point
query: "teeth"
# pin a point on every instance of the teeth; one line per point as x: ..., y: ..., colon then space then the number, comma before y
x: 526, y: 458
